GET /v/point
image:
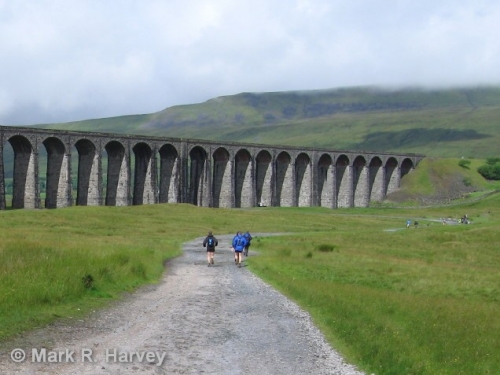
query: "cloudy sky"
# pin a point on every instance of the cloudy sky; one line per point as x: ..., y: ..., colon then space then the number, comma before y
x: 66, y: 60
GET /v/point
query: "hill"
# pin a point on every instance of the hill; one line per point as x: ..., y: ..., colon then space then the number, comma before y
x: 438, y: 181
x: 440, y: 123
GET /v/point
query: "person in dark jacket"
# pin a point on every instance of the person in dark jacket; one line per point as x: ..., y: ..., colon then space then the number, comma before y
x: 248, y: 237
x: 210, y: 242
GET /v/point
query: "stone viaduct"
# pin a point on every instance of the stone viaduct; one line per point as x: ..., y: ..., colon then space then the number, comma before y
x: 93, y: 169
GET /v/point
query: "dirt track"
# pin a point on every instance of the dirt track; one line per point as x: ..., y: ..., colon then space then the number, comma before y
x: 198, y: 320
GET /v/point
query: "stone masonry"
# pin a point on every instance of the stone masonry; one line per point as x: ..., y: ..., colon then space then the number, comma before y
x: 92, y: 169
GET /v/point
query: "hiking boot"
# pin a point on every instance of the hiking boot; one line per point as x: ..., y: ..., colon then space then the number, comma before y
x: 239, y: 265
x: 212, y: 261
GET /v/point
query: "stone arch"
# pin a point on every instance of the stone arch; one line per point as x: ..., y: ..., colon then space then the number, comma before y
x: 391, y: 175
x: 243, y: 187
x: 343, y: 183
x: 118, y: 180
x: 303, y: 180
x: 360, y: 181
x: 222, y: 180
x: 377, y: 180
x: 144, y: 175
x: 194, y: 179
x: 406, y: 167
x: 169, y: 174
x: 89, y: 180
x: 197, y: 175
x: 263, y: 178
x: 325, y: 182
x: 284, y: 180
x: 25, y: 185
x: 58, y: 191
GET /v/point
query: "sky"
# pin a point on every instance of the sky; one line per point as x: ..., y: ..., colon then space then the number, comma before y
x: 69, y: 60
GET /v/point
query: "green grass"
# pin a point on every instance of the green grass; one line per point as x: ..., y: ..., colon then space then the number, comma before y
x: 391, y: 300
x: 417, y: 301
x: 45, y: 256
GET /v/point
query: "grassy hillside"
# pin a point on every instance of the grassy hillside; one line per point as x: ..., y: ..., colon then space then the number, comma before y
x: 459, y: 122
x: 441, y: 180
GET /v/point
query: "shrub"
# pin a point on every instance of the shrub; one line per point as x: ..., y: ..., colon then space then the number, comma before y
x: 492, y: 161
x: 464, y: 163
x: 326, y: 248
x: 490, y: 171
x: 88, y: 281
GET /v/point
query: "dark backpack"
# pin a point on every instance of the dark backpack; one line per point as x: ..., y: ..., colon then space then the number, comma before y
x: 210, y: 242
x: 248, y: 237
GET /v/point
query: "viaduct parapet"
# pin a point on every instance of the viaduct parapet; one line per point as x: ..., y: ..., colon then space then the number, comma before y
x: 93, y: 169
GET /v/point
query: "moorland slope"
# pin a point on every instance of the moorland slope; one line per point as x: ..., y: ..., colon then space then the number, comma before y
x: 454, y: 122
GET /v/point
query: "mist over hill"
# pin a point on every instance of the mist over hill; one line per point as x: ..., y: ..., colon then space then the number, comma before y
x: 453, y: 122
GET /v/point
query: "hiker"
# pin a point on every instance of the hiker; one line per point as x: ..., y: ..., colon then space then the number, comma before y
x: 416, y: 224
x: 408, y: 223
x: 239, y: 243
x: 210, y: 242
x: 232, y: 249
x: 248, y: 237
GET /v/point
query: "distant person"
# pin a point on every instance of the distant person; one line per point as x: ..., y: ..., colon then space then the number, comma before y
x: 416, y: 224
x: 408, y: 223
x: 239, y: 243
x: 248, y: 237
x: 210, y: 242
x: 232, y: 249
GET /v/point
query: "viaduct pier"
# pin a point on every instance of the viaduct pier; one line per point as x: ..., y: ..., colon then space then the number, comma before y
x: 54, y: 169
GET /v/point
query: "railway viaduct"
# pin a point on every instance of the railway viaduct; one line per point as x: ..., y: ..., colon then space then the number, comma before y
x: 93, y: 169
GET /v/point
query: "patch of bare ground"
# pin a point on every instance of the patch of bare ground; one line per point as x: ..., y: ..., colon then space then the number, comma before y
x: 453, y: 186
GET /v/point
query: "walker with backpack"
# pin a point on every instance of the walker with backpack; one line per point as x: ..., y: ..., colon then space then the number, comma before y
x: 248, y: 237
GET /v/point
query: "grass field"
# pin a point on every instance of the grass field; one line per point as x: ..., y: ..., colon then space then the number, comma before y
x: 391, y: 300
x: 411, y: 301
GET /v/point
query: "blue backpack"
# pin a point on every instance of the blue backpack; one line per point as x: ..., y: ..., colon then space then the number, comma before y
x: 240, y: 241
x: 210, y: 242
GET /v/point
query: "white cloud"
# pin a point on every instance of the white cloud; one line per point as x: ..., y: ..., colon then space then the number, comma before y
x: 67, y: 60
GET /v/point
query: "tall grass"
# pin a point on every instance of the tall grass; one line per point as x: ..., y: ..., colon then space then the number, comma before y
x: 392, y: 300
x: 409, y: 301
x: 64, y: 262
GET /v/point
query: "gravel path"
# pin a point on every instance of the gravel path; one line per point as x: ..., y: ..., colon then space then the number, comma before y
x: 198, y: 320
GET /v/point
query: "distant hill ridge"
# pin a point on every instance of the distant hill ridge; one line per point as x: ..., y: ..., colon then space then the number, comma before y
x: 450, y: 122
x: 268, y: 108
